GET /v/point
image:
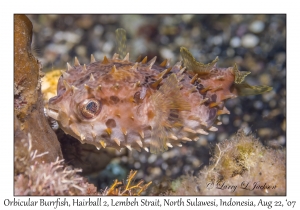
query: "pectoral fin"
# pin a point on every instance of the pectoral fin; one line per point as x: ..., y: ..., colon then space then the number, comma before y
x: 166, y: 99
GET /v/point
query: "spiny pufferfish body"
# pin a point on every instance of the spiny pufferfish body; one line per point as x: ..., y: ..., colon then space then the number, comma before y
x: 141, y: 105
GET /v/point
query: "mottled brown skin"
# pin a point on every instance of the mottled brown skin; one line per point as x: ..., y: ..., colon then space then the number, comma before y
x: 29, y: 119
x: 139, y: 105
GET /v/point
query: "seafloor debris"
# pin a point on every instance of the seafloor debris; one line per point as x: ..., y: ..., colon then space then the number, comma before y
x: 35, y: 177
x: 128, y: 188
x: 240, y: 166
x: 55, y: 178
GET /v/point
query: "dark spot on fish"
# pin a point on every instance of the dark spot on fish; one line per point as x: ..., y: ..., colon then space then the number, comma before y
x: 198, y: 86
x: 148, y: 80
x: 111, y: 123
x: 137, y: 97
x: 114, y: 99
x: 173, y: 115
x: 212, y: 116
x: 214, y: 98
x: 105, y: 136
x: 81, y: 81
x: 107, y: 77
x: 128, y: 78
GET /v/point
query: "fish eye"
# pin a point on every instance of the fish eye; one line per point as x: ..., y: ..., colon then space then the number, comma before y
x: 90, y: 108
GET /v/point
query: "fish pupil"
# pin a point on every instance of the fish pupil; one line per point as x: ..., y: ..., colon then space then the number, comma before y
x: 92, y: 107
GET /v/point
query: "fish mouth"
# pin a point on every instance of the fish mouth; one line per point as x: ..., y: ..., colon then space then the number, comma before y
x: 53, y: 113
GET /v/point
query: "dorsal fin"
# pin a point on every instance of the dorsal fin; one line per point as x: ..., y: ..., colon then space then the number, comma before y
x: 192, y: 65
x: 121, y: 42
x: 239, y: 76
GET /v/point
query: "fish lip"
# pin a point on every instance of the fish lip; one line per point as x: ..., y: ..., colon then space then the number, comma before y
x: 53, y: 113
